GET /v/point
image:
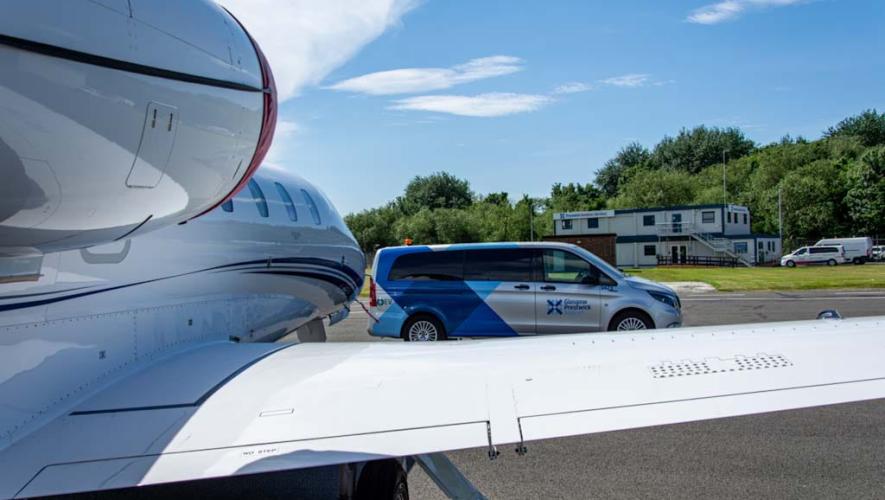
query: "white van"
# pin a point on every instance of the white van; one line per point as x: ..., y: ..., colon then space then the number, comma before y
x: 857, y: 250
x: 829, y: 255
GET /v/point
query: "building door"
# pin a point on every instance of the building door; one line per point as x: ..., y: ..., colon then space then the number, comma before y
x: 682, y: 254
x: 676, y: 219
x: 674, y: 255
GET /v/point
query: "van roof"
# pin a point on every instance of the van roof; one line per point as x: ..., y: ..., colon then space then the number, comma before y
x: 477, y: 246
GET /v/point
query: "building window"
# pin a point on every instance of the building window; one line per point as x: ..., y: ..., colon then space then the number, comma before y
x: 771, y: 245
x: 745, y: 218
x: 593, y: 223
x: 760, y: 246
x: 287, y: 200
x: 648, y: 220
x: 740, y: 247
x: 566, y: 224
x: 729, y: 217
x: 228, y: 206
x: 649, y: 250
x: 314, y: 212
x: 708, y: 217
x: 258, y: 197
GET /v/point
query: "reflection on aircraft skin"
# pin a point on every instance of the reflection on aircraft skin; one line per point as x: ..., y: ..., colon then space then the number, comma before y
x: 227, y: 275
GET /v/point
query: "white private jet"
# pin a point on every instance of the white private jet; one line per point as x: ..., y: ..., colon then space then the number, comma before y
x: 132, y: 357
x: 118, y: 117
x: 150, y: 361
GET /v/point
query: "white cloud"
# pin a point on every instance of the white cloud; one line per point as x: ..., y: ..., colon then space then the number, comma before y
x: 482, y: 105
x: 572, y: 88
x: 304, y: 40
x: 727, y: 10
x: 280, y: 148
x: 631, y: 80
x: 412, y: 80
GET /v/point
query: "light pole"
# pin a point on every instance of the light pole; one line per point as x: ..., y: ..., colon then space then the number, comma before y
x: 724, y: 191
x: 531, y: 219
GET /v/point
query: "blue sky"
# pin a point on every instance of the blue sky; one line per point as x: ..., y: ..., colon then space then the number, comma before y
x: 515, y: 99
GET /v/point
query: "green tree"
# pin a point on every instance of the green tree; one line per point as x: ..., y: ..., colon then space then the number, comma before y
x: 612, y: 174
x: 865, y: 182
x: 374, y: 228
x: 571, y: 197
x: 868, y: 127
x: 698, y: 148
x: 419, y: 227
x: 656, y: 188
x: 813, y: 202
x: 439, y: 190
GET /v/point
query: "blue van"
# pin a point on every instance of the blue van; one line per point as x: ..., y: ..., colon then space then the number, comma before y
x: 507, y: 289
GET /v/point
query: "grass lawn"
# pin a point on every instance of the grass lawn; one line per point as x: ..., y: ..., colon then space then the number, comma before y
x: 772, y: 278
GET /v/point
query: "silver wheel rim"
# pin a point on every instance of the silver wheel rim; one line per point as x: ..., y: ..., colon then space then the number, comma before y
x: 423, y: 331
x: 630, y: 323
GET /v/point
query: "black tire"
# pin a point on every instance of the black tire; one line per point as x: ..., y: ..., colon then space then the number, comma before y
x: 790, y: 263
x: 831, y: 262
x: 423, y: 322
x: 630, y: 317
x: 384, y: 480
x: 859, y: 261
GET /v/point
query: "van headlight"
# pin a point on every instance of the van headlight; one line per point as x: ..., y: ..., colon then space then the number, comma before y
x: 666, y: 298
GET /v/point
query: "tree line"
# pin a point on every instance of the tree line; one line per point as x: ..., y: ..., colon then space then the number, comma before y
x: 832, y: 186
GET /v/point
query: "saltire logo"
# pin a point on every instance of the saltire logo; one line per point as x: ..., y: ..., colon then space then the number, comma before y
x: 554, y: 306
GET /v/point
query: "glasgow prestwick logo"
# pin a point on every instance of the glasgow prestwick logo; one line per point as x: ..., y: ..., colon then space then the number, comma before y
x: 567, y: 306
x: 554, y: 306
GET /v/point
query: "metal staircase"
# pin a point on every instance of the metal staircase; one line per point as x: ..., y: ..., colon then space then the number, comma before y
x: 718, y: 244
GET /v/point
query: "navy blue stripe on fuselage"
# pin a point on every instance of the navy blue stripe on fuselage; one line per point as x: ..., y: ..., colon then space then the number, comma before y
x: 332, y: 265
x: 343, y: 285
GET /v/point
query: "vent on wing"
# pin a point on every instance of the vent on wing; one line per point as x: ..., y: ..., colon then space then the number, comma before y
x: 708, y: 366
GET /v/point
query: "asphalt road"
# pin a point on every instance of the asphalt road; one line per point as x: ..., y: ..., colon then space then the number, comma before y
x: 829, y: 452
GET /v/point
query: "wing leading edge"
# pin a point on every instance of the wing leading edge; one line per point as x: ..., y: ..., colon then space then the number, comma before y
x: 320, y: 404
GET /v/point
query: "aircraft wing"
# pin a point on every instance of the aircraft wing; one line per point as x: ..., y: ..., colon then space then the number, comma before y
x: 223, y: 408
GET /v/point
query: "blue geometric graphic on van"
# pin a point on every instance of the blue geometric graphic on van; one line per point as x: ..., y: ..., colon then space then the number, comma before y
x: 461, y: 308
x: 554, y: 306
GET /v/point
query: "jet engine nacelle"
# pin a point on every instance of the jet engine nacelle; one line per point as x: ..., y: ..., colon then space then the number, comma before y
x: 122, y: 116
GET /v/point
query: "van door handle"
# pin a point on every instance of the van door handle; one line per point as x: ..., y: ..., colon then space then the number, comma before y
x: 548, y: 288
x: 521, y: 287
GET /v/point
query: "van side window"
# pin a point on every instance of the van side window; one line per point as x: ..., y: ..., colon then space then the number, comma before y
x: 228, y: 206
x: 258, y: 197
x: 566, y: 267
x: 314, y: 212
x: 823, y: 250
x: 428, y: 266
x: 287, y: 200
x: 498, y: 264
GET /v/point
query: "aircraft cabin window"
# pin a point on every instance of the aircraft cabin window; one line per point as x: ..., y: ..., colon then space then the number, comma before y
x: 314, y: 212
x: 228, y: 206
x: 258, y: 196
x: 287, y: 200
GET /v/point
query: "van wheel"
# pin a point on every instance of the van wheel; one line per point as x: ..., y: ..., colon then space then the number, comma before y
x: 423, y: 328
x: 831, y: 262
x: 858, y: 261
x: 630, y: 320
x: 790, y: 263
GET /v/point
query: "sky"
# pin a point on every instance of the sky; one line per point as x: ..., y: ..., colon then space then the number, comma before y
x: 517, y: 95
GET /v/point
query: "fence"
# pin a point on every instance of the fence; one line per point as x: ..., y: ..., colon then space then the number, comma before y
x: 697, y: 260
